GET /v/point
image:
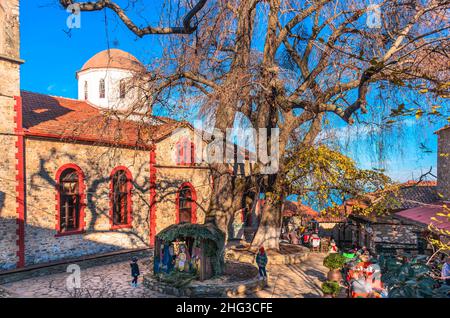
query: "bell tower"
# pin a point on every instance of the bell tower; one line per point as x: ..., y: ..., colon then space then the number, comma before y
x: 11, y: 142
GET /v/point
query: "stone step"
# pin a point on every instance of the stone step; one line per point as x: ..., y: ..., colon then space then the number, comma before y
x: 245, y: 256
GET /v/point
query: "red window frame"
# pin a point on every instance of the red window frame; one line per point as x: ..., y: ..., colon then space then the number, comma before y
x: 129, y: 200
x: 185, y: 152
x: 193, y: 202
x: 81, y: 197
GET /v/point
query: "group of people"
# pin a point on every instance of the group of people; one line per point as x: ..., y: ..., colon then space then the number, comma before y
x: 309, y: 238
x: 362, y: 274
x: 300, y: 235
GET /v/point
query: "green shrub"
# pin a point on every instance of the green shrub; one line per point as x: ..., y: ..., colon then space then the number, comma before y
x: 413, y: 279
x: 334, y: 261
x: 331, y: 288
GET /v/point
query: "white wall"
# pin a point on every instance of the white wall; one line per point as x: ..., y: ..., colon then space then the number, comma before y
x: 112, y: 79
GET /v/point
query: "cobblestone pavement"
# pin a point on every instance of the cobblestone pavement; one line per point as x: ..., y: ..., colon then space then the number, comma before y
x: 104, y: 281
x: 302, y: 280
x: 5, y: 294
x: 113, y: 280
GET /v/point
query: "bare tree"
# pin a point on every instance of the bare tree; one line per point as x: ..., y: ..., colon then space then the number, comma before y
x: 290, y: 64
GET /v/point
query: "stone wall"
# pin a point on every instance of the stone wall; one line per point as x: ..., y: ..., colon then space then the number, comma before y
x: 398, y: 234
x: 169, y: 179
x: 395, y: 234
x: 9, y: 88
x: 43, y: 159
x: 8, y: 162
x: 443, y: 164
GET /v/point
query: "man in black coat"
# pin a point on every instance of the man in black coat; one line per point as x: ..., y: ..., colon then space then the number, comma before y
x: 134, y: 271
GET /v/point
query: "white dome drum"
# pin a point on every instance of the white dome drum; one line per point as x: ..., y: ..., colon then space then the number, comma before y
x: 113, y: 80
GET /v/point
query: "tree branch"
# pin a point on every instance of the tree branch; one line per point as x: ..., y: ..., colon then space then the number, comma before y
x: 99, y: 5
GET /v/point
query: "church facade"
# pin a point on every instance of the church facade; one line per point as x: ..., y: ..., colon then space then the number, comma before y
x: 77, y: 176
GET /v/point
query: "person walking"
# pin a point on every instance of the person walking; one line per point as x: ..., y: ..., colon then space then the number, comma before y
x: 134, y: 271
x: 261, y: 261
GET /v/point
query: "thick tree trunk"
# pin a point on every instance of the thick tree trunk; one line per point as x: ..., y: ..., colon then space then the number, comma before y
x: 268, y: 233
x: 229, y: 191
x: 227, y: 198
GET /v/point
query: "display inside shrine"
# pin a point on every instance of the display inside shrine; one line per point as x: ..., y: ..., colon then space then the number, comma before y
x: 193, y: 249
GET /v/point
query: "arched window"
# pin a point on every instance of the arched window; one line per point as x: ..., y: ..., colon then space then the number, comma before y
x: 185, y: 152
x: 186, y: 204
x: 70, y: 207
x: 121, y: 186
x: 122, y: 89
x: 101, y: 88
x: 86, y: 90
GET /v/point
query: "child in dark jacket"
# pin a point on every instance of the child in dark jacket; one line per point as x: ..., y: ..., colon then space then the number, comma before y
x: 261, y: 260
x: 134, y: 271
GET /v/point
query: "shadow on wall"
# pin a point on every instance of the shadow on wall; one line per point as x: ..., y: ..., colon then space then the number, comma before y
x: 2, y: 201
x: 167, y: 190
x: 41, y: 245
x: 97, y: 187
x: 8, y: 245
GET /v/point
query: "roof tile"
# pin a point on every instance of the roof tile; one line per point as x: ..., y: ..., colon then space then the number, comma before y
x: 65, y: 118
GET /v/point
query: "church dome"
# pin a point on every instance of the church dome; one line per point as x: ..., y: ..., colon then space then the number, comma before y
x: 114, y: 58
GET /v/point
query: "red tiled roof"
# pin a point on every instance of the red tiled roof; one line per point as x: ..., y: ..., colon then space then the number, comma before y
x: 413, y: 194
x: 70, y: 119
x: 423, y: 214
x: 114, y: 58
x: 292, y: 208
x: 425, y: 183
x: 410, y: 194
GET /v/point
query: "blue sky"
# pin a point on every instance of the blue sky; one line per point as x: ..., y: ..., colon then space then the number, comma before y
x: 53, y: 56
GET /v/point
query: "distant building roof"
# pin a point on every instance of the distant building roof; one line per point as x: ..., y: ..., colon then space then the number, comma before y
x: 412, y: 194
x: 292, y: 208
x: 424, y: 215
x: 409, y: 195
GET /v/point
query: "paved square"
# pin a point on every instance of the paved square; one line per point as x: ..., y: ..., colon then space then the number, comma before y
x: 113, y: 280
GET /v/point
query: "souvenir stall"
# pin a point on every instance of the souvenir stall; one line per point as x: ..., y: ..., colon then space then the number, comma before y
x: 195, y: 249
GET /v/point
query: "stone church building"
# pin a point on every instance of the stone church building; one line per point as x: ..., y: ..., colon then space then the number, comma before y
x: 79, y: 177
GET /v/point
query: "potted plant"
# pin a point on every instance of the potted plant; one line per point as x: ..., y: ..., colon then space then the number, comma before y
x: 330, y: 289
x: 334, y: 262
